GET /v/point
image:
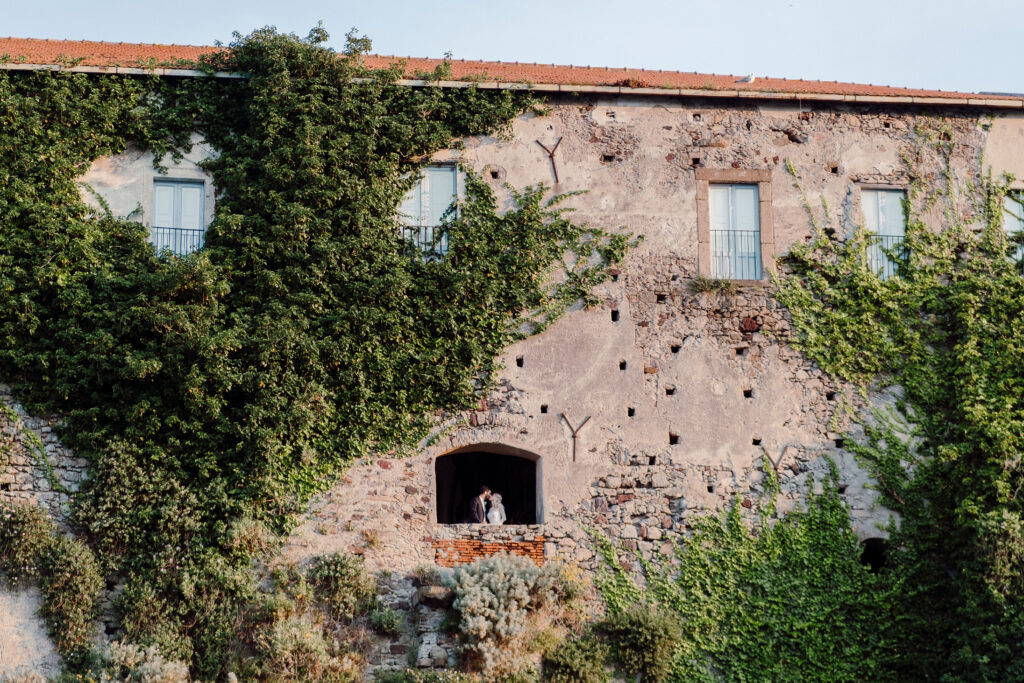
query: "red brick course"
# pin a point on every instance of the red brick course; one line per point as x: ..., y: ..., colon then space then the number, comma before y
x: 452, y: 552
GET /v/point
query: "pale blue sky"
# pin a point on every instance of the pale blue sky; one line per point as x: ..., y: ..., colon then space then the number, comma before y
x: 948, y: 44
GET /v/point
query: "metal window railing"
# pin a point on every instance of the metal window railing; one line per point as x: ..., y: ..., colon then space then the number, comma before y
x: 736, y: 254
x: 178, y: 241
x: 430, y: 240
x: 878, y: 255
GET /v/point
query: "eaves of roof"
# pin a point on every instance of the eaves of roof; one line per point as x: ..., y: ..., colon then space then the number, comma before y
x: 178, y: 60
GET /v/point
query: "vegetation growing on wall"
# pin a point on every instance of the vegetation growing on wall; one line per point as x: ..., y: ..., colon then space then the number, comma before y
x: 786, y: 600
x: 212, y: 394
x: 947, y: 454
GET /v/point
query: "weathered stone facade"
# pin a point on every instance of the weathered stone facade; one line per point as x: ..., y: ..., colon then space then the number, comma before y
x: 683, y: 395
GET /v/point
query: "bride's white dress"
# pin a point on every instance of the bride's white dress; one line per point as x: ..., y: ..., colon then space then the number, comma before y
x: 496, y: 515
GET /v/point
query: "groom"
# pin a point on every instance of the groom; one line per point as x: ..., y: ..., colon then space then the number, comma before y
x: 477, y: 510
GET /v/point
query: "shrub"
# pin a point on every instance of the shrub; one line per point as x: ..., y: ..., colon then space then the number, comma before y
x: 341, y: 582
x: 644, y: 641
x: 294, y: 648
x: 576, y: 660
x: 496, y: 597
x: 385, y: 620
x: 71, y: 583
x: 130, y: 663
x: 418, y: 676
x: 26, y: 532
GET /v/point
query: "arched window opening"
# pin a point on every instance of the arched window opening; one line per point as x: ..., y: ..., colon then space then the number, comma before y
x: 874, y: 553
x: 507, y: 471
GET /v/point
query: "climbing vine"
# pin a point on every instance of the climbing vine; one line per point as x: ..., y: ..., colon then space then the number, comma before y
x: 946, y: 452
x: 215, y: 392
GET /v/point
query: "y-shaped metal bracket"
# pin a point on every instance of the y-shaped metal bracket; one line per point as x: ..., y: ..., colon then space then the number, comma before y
x: 551, y: 155
x: 571, y: 429
x: 775, y: 463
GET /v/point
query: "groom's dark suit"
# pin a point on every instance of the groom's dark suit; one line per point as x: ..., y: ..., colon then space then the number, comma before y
x: 476, y: 511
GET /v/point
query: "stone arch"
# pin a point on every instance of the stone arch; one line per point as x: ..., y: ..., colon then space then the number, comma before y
x: 515, y: 473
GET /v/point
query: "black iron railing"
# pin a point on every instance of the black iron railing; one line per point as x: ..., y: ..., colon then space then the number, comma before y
x: 885, y: 253
x: 178, y: 241
x: 736, y: 254
x: 430, y: 240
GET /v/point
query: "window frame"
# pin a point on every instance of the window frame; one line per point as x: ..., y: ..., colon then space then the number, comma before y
x: 706, y: 177
x: 1016, y: 196
x: 179, y: 236
x: 423, y: 224
x: 891, y: 267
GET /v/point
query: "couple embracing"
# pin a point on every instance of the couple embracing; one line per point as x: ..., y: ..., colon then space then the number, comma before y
x: 477, y: 512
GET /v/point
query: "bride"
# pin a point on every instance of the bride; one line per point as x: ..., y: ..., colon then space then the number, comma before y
x: 496, y: 513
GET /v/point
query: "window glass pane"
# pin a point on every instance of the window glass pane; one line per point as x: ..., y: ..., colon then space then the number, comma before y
x: 718, y: 204
x: 745, y: 208
x: 191, y: 206
x: 443, y: 191
x: 869, y: 204
x: 1013, y: 213
x: 890, y: 210
x: 411, y: 213
x: 163, y: 205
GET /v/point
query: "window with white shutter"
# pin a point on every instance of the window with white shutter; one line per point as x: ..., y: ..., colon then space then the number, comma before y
x: 178, y: 216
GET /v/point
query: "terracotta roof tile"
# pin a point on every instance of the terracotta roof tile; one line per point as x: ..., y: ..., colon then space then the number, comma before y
x: 36, y: 51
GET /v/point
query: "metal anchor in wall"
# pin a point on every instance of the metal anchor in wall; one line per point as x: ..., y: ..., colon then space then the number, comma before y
x: 775, y: 462
x: 575, y: 430
x: 551, y: 155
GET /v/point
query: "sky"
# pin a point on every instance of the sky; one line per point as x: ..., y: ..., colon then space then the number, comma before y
x: 971, y: 46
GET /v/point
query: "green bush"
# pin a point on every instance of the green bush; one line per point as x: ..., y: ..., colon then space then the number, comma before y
x: 26, y: 533
x: 71, y: 584
x: 576, y: 660
x: 418, y: 676
x: 341, y: 582
x: 294, y: 648
x: 643, y: 640
x: 497, y: 599
x: 385, y: 621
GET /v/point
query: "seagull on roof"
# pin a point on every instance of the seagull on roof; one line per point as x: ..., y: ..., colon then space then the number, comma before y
x: 747, y: 79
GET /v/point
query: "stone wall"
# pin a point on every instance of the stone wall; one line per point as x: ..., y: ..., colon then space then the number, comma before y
x: 38, y: 469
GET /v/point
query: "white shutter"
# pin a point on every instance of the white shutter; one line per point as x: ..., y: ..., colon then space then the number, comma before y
x: 745, y: 214
x: 718, y: 205
x: 163, y: 205
x: 890, y: 212
x: 191, y: 206
x: 412, y: 205
x: 442, y: 189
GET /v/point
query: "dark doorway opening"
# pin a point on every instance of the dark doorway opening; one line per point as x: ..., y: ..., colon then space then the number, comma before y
x: 874, y: 552
x: 459, y: 477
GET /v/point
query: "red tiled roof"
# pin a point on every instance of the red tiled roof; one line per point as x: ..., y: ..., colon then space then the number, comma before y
x: 102, y: 54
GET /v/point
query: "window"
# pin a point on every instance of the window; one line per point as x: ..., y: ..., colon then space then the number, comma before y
x: 178, y: 217
x: 426, y: 204
x: 734, y: 223
x: 884, y: 218
x: 735, y: 232
x: 1013, y: 221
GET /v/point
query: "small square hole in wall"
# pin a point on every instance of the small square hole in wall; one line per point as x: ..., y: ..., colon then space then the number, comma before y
x: 711, y: 488
x: 841, y: 489
x: 830, y: 395
x: 839, y: 442
x: 756, y: 441
x: 675, y: 348
x: 519, y: 361
x: 741, y: 350
x: 696, y: 117
x: 661, y: 298
x: 5, y: 487
x: 607, y: 158
x: 622, y: 365
x: 630, y: 411
x: 748, y: 393
x: 495, y: 175
x: 887, y: 125
x: 615, y: 277
x: 653, y: 460
x: 834, y: 170
x: 670, y: 391
x: 695, y: 161
x: 673, y: 439
x: 615, y: 316
x: 544, y: 407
